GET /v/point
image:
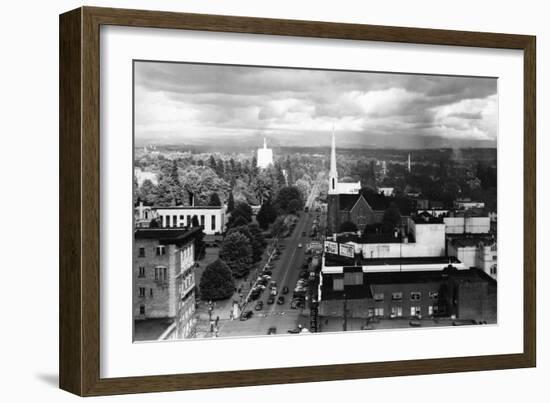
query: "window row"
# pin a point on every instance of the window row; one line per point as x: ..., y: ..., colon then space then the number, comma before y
x: 160, y: 250
x: 397, y: 311
x: 398, y: 296
x: 161, y: 273
x: 143, y: 292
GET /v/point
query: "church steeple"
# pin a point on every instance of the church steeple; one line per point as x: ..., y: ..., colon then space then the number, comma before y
x: 333, y: 173
x: 265, y: 144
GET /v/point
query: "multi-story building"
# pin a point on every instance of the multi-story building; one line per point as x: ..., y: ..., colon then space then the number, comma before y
x: 164, y: 278
x: 211, y: 218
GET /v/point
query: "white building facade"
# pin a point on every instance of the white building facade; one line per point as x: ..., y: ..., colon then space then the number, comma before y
x: 265, y: 156
x: 211, y: 218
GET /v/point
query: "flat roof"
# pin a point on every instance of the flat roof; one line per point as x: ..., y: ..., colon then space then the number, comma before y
x: 337, y: 260
x: 188, y: 208
x: 167, y: 235
x: 412, y: 277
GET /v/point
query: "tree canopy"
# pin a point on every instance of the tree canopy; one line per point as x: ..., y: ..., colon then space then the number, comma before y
x: 236, y: 252
x: 216, y: 281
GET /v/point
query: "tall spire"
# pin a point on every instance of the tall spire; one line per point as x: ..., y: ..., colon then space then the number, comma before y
x: 265, y: 144
x: 333, y: 174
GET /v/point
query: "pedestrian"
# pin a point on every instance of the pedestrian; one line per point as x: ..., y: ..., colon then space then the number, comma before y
x: 217, y: 320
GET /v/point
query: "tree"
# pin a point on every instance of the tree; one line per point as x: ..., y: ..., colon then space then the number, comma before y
x: 391, y: 218
x: 304, y: 187
x: 214, y: 200
x: 230, y: 203
x: 294, y: 205
x: 348, y: 226
x: 216, y: 282
x: 236, y: 252
x: 286, y: 194
x: 266, y: 215
x: 241, y: 215
x: 255, y: 242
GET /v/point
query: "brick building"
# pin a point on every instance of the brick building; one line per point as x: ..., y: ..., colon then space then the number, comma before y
x: 164, y: 278
x: 464, y: 294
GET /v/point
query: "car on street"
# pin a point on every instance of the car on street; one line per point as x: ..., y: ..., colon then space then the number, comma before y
x: 296, y: 330
x: 268, y: 272
x: 259, y: 305
x: 280, y: 300
x: 296, y: 304
x: 299, y: 245
x: 273, y: 291
x: 285, y: 290
x: 272, y: 330
x: 271, y: 300
x: 247, y: 315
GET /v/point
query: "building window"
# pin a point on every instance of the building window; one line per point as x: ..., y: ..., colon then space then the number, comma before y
x: 433, y: 294
x: 416, y: 311
x: 141, y: 271
x: 142, y: 309
x: 416, y: 296
x: 213, y: 222
x: 379, y: 296
x: 332, y: 183
x: 202, y: 220
x: 493, y: 270
x: 141, y: 252
x: 174, y: 221
x: 142, y: 292
x: 432, y: 309
x: 378, y: 311
x: 161, y: 274
x: 338, y: 284
x: 396, y: 311
x: 370, y: 312
x: 161, y: 250
x: 494, y: 257
x: 353, y: 278
x: 151, y: 292
x: 189, y: 221
x: 167, y: 221
x: 397, y: 296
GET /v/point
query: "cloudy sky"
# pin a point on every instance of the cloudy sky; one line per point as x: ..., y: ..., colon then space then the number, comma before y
x: 178, y: 103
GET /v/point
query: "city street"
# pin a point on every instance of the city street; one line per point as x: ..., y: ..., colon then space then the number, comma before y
x: 286, y: 270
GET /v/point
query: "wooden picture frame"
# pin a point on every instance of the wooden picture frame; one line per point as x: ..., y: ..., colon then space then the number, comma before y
x: 79, y: 348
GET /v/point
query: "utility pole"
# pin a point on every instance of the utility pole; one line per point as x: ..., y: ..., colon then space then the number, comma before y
x: 345, y: 324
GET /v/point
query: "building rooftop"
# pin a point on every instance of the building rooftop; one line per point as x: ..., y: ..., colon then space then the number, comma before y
x: 150, y: 329
x: 188, y: 207
x: 370, y: 279
x: 337, y: 260
x: 167, y: 235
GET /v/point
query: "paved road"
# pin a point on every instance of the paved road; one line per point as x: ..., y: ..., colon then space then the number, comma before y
x: 285, y: 273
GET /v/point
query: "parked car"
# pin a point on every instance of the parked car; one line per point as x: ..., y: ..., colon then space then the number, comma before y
x: 295, y: 330
x: 299, y: 245
x: 272, y: 330
x: 285, y: 290
x: 268, y: 272
x: 273, y: 291
x: 273, y: 284
x: 259, y: 305
x: 280, y: 300
x: 271, y: 300
x: 296, y: 304
x: 247, y: 315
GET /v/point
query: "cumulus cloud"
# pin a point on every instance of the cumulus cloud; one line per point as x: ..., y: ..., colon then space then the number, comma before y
x: 181, y: 102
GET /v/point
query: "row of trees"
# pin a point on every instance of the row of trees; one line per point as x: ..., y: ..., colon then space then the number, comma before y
x: 241, y: 249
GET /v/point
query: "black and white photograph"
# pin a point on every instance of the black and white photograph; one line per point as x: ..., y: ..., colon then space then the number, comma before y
x: 276, y: 201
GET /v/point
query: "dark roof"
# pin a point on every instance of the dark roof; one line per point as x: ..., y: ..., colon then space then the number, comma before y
x: 364, y: 291
x: 474, y: 241
x: 187, y: 207
x: 337, y: 260
x: 167, y: 235
x: 347, y: 201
